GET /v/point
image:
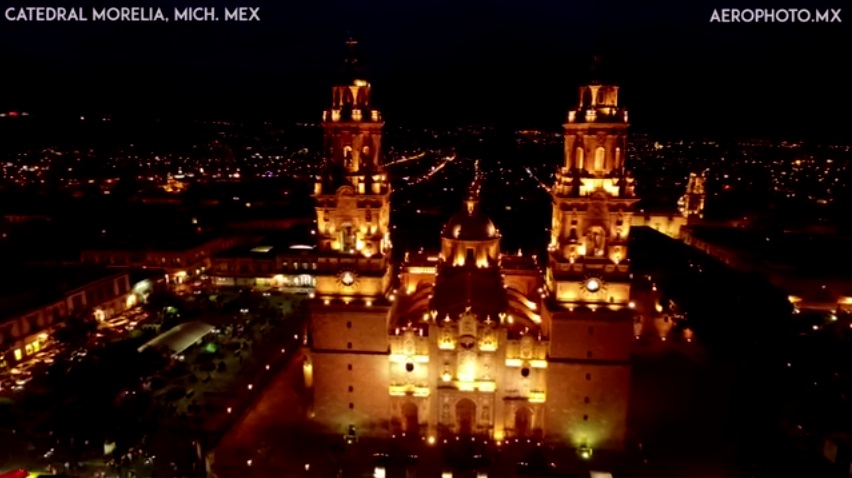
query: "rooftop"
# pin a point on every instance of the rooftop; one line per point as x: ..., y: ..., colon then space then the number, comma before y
x: 296, y: 240
x: 179, y: 338
x: 808, y: 253
x: 25, y: 288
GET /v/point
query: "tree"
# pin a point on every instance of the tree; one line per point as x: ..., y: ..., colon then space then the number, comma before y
x: 77, y: 330
x: 163, y: 305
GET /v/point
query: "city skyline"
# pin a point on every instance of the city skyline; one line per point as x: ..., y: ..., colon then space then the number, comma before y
x: 500, y: 63
x: 361, y: 293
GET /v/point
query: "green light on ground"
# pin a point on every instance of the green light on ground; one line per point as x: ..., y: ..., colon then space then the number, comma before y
x: 211, y: 348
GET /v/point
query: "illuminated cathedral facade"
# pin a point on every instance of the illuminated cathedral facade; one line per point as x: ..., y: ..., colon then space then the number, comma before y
x: 470, y: 341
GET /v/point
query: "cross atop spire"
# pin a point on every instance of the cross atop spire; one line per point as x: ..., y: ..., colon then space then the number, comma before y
x: 351, y: 58
x: 596, y: 70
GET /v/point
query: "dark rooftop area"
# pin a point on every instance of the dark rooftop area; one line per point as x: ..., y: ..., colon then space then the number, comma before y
x: 809, y: 253
x: 25, y: 288
x: 295, y: 240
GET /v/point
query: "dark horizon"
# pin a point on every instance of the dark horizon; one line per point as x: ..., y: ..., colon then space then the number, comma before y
x: 501, y: 64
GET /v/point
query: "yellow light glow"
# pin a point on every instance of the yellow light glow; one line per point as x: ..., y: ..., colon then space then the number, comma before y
x: 466, y: 386
x: 499, y: 435
x: 532, y: 305
x: 537, y: 397
x: 487, y: 386
x: 421, y: 391
x: 514, y: 362
x: 431, y: 440
x: 361, y: 83
x: 402, y: 358
x: 446, y: 377
x: 538, y: 363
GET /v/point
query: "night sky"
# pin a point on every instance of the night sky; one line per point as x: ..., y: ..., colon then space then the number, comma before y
x: 514, y: 63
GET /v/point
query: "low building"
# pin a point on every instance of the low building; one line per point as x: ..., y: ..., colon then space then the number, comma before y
x: 810, y: 269
x: 181, y: 258
x: 285, y: 261
x: 35, y: 300
x: 668, y: 224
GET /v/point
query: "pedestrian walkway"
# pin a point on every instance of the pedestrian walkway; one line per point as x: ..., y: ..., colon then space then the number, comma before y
x: 271, y: 426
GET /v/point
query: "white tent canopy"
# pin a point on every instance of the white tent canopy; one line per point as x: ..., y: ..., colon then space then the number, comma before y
x: 180, y: 338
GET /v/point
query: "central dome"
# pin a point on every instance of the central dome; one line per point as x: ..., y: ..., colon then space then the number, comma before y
x: 470, y: 224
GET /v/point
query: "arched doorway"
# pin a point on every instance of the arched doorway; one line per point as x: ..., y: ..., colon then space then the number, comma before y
x: 410, y: 422
x: 523, y: 419
x: 600, y: 159
x: 465, y: 416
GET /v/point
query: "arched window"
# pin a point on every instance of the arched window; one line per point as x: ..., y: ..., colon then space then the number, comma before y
x: 600, y: 155
x: 578, y: 158
x: 617, y: 158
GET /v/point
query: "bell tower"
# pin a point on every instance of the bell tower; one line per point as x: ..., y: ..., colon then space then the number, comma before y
x: 691, y: 204
x: 348, y: 347
x: 593, y: 201
x: 353, y: 194
x: 587, y: 283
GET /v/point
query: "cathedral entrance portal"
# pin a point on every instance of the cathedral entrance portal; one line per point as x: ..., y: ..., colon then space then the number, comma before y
x: 410, y: 422
x: 465, y: 416
x: 522, y: 422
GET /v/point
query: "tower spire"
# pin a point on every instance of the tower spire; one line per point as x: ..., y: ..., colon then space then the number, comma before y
x: 351, y: 57
x: 595, y: 70
x: 472, y: 199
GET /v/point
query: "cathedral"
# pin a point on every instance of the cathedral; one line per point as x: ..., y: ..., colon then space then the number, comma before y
x: 470, y: 340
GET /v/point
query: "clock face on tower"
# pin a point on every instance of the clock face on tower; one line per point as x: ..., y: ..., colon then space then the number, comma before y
x: 593, y: 285
x: 347, y: 278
